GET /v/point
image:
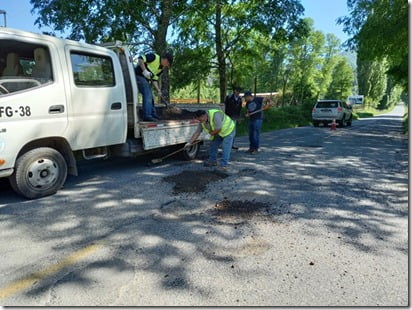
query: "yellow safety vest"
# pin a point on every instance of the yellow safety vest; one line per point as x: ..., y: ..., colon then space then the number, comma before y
x: 227, y: 125
x: 153, y: 66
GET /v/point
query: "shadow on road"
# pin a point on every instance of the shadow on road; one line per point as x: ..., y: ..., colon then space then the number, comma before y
x: 341, y: 179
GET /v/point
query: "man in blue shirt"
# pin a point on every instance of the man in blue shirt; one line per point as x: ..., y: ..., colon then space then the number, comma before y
x: 254, y: 111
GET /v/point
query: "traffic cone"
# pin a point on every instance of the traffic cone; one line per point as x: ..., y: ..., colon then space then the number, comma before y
x: 333, y: 126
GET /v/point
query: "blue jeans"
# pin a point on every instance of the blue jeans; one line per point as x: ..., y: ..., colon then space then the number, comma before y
x: 149, y: 110
x: 227, y: 143
x: 254, y: 132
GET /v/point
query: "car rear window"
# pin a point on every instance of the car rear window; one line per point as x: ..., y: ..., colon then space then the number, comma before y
x: 327, y: 104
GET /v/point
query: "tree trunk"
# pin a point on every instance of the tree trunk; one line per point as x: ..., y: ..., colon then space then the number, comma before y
x: 219, y: 51
x: 160, y: 44
x: 198, y: 90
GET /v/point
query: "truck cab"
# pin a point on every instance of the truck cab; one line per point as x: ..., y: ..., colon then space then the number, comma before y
x: 61, y: 97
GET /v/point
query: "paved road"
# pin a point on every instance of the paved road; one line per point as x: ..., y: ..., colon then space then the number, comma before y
x: 321, y: 219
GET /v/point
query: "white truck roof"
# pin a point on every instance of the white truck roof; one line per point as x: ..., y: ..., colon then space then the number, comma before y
x: 49, y: 38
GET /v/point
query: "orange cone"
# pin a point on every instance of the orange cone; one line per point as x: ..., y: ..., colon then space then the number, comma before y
x: 333, y: 126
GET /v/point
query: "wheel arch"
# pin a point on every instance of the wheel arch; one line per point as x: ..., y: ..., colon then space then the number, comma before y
x: 59, y: 144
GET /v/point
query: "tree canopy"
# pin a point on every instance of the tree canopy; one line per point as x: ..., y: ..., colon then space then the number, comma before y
x: 379, y: 30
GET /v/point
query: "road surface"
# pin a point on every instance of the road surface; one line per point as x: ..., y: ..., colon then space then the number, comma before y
x: 317, y: 218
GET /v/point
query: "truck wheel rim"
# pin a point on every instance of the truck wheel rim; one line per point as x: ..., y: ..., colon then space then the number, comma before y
x: 42, y: 173
x: 192, y: 150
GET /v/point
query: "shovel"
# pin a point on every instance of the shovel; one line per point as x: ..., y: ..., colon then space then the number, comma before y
x: 170, y: 107
x: 159, y: 160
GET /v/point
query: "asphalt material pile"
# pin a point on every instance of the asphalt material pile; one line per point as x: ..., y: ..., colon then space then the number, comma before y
x: 243, y: 208
x: 189, y: 181
x: 172, y: 113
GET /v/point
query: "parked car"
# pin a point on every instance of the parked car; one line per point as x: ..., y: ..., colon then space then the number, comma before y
x: 325, y: 111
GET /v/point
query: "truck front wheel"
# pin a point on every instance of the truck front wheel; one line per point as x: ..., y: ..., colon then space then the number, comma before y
x: 191, y: 153
x: 39, y: 172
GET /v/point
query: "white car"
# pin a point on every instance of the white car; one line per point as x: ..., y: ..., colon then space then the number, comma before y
x: 325, y: 111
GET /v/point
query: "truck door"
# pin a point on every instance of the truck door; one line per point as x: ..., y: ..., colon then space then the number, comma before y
x: 98, y: 101
x: 32, y: 94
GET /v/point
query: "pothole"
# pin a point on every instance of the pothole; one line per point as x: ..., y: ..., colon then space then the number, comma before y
x: 243, y: 208
x: 190, y: 181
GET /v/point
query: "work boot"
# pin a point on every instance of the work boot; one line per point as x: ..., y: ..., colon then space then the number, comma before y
x: 210, y: 164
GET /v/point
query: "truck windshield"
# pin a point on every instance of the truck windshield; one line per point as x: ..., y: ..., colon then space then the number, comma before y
x: 23, y: 66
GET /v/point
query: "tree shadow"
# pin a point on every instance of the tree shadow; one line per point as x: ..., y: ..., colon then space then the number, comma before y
x: 148, y: 229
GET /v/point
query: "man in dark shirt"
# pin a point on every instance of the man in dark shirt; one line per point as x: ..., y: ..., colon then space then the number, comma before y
x: 148, y: 70
x: 233, y: 106
x: 254, y: 111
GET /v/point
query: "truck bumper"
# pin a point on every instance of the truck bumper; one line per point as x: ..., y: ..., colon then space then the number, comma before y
x: 6, y: 172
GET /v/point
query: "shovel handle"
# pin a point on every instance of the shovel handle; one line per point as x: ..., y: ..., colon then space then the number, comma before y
x: 158, y: 160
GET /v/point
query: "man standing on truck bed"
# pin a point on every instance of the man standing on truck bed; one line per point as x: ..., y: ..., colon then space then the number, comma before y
x: 222, y: 130
x: 149, y: 68
x: 233, y: 106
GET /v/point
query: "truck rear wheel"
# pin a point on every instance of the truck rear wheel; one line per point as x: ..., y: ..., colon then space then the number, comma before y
x: 39, y: 172
x: 191, y: 153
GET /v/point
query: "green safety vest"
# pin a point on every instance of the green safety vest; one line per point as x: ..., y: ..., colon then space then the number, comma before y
x: 153, y: 66
x: 227, y: 125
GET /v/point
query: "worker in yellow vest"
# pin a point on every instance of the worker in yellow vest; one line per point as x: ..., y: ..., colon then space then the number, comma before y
x: 147, y: 71
x: 222, y: 131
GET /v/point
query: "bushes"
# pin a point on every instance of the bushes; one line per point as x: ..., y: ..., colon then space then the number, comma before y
x: 280, y: 118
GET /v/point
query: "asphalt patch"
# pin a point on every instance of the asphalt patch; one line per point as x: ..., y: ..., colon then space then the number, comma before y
x: 190, y: 181
x: 243, y: 208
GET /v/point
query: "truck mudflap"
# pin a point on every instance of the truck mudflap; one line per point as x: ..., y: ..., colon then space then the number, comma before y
x: 165, y: 133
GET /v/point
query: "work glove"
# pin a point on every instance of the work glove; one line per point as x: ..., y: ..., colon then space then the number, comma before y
x: 188, y: 145
x: 147, y: 74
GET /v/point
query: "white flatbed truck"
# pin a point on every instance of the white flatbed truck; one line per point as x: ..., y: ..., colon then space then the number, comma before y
x: 61, y: 99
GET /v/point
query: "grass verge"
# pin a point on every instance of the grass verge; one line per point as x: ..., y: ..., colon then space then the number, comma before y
x: 369, y: 112
x: 279, y: 118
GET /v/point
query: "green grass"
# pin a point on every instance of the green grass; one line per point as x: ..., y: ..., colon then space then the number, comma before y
x: 369, y: 112
x: 279, y: 118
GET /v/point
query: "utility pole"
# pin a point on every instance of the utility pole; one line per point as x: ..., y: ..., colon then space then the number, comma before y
x: 4, y: 13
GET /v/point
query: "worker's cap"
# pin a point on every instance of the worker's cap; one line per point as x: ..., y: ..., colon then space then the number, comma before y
x: 200, y: 113
x: 169, y: 57
x: 247, y: 93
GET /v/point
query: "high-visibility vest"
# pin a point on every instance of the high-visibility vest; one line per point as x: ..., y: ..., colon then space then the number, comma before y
x: 227, y: 125
x: 154, y: 66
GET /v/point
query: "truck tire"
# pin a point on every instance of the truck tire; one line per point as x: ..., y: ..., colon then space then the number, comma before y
x: 349, y: 122
x: 38, y: 173
x: 191, y: 153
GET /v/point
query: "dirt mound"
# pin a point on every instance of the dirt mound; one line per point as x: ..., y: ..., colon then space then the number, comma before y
x: 190, y: 181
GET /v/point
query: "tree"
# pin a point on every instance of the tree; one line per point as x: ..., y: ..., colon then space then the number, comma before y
x: 342, y: 81
x: 306, y: 59
x: 330, y: 59
x: 380, y: 28
x: 143, y: 22
x: 225, y: 24
x: 372, y: 80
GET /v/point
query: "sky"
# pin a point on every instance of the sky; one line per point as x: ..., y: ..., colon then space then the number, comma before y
x: 323, y: 12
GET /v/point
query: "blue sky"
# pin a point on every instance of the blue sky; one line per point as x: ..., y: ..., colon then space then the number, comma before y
x: 323, y: 12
